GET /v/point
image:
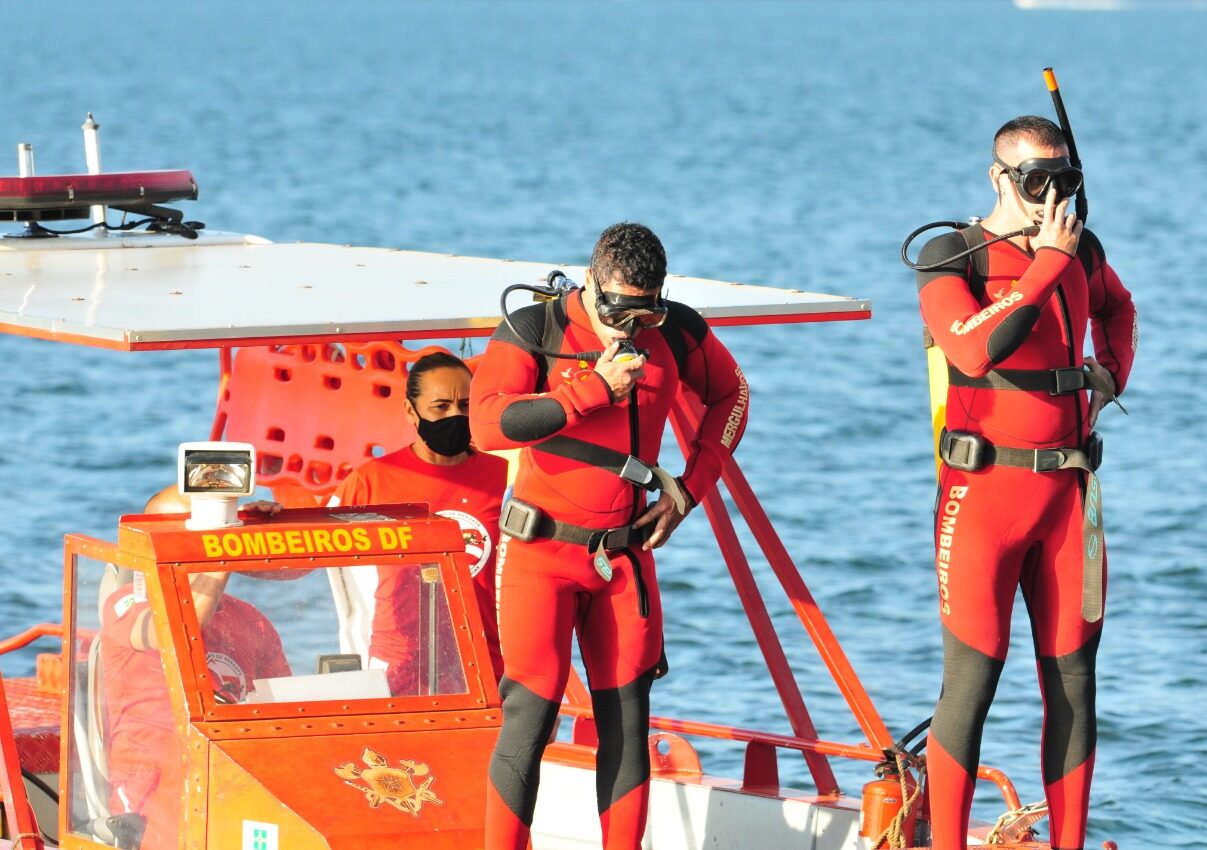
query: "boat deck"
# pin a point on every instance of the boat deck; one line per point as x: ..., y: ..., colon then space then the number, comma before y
x: 36, y: 715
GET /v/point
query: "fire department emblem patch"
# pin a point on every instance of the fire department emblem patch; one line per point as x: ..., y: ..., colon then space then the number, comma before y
x: 478, y: 544
x: 396, y: 786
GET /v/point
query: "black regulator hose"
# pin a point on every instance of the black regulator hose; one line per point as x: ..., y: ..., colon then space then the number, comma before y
x: 549, y: 291
x: 954, y: 225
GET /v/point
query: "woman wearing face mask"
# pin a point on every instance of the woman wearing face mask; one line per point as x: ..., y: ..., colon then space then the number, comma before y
x: 441, y: 469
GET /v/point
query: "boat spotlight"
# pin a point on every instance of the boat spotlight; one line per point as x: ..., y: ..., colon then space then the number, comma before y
x: 214, y: 476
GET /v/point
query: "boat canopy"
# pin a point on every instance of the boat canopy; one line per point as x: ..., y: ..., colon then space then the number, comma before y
x: 229, y: 289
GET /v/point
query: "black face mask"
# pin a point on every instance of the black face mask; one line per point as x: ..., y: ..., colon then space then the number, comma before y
x: 448, y: 436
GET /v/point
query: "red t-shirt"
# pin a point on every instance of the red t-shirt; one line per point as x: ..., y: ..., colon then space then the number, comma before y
x: 145, y: 752
x: 470, y: 492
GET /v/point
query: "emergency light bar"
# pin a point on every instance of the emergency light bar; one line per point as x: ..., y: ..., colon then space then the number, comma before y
x: 66, y: 196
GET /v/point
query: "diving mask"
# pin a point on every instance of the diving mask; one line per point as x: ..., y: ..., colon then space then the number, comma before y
x: 629, y: 313
x: 1034, y: 176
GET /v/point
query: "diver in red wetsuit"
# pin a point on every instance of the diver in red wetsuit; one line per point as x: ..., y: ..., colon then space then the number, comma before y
x: 1018, y: 500
x: 576, y: 551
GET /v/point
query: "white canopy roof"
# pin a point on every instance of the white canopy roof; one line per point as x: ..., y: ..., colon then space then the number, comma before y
x: 149, y: 291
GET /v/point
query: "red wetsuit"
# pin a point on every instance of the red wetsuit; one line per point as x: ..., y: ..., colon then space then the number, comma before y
x: 548, y: 589
x: 1002, y: 527
x: 469, y: 492
x: 146, y: 753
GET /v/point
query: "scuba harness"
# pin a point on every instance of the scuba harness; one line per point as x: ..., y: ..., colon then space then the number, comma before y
x: 1089, y: 252
x: 1053, y: 381
x: 969, y: 451
x: 541, y: 335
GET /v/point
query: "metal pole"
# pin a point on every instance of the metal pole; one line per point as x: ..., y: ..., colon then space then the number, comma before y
x: 25, y: 159
x: 685, y: 418
x: 92, y: 154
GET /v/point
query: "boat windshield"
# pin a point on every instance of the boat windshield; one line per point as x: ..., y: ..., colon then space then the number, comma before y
x: 329, y: 633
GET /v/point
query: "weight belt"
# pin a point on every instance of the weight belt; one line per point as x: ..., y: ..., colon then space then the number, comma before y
x: 971, y: 452
x: 593, y: 538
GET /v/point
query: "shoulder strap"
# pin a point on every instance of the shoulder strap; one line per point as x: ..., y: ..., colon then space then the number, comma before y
x: 673, y: 335
x: 978, y: 261
x: 550, y: 330
x: 682, y: 322
x: 1090, y: 252
x: 552, y: 334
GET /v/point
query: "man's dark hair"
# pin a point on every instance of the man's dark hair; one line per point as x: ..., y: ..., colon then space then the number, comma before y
x: 1033, y: 128
x: 425, y: 364
x: 631, y: 251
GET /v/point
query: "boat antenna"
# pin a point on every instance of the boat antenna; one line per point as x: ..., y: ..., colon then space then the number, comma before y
x: 1082, y: 206
x: 92, y: 157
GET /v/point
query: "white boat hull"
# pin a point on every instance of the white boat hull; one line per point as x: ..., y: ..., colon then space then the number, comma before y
x: 694, y: 814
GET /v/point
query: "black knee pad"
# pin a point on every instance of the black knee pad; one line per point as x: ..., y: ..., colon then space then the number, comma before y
x: 1070, y: 726
x: 515, y: 766
x: 622, y: 721
x: 969, y: 681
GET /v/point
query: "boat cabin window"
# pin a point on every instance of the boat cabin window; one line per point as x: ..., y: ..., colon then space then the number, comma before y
x: 269, y: 636
x: 279, y: 635
x: 125, y: 751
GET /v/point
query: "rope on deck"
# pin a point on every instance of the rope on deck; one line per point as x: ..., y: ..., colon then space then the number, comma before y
x: 1015, y: 825
x: 894, y: 833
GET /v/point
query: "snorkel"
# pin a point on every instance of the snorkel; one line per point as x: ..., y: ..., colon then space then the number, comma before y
x: 1031, y: 230
x: 1082, y: 206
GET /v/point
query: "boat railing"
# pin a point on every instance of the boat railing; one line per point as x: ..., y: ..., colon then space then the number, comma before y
x: 20, y: 824
x: 760, y: 773
x: 761, y: 770
x: 33, y: 633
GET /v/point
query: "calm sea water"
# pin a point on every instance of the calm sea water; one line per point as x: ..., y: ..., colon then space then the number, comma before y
x: 791, y: 144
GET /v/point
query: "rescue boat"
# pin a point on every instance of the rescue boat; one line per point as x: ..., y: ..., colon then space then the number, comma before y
x: 313, y: 343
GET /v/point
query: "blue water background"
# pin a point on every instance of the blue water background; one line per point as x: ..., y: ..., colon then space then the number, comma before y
x: 791, y: 144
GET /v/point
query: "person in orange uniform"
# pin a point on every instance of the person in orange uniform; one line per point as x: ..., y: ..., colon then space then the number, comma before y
x: 146, y: 773
x: 441, y: 469
x: 1019, y: 504
x: 578, y: 533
